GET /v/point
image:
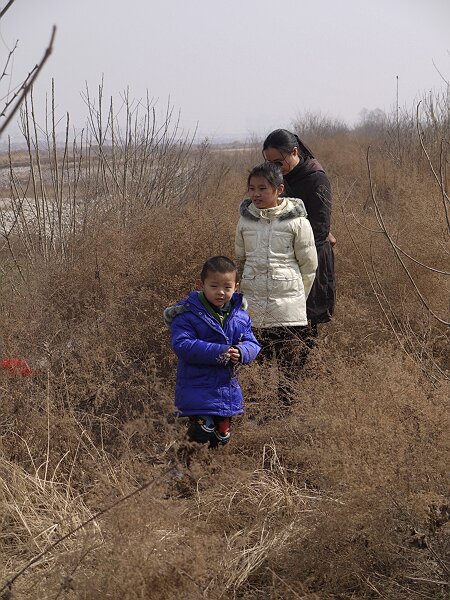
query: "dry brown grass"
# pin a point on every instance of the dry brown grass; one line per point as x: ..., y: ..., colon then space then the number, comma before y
x: 343, y: 496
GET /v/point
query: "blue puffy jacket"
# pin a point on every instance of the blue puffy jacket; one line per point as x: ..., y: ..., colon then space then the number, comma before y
x: 207, y: 382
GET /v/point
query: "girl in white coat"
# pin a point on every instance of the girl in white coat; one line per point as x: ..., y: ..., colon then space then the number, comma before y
x: 275, y: 244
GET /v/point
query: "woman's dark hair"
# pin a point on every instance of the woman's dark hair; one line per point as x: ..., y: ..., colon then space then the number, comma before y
x: 269, y: 171
x: 285, y: 141
x: 218, y: 264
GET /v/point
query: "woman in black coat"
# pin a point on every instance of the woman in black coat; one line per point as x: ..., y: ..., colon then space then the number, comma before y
x: 305, y: 178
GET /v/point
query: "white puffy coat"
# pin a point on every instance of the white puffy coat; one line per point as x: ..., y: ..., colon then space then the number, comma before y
x: 277, y: 248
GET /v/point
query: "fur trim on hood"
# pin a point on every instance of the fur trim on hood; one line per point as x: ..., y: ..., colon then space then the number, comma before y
x: 297, y: 209
x: 171, y: 312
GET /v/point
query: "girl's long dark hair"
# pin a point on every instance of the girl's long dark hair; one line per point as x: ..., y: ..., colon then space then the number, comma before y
x: 269, y: 171
x: 285, y: 141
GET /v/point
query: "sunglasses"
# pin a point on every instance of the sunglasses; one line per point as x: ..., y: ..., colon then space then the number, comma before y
x: 278, y: 162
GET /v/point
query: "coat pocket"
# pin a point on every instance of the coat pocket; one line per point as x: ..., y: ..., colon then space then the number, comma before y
x: 285, y: 283
x: 282, y: 242
x: 250, y: 241
x: 247, y: 282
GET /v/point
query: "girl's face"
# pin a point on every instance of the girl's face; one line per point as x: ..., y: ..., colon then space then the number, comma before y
x: 262, y: 193
x: 286, y: 161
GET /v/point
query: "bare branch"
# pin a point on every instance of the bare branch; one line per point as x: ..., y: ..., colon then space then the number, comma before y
x: 10, y: 3
x: 440, y: 74
x: 394, y: 247
x: 427, y: 580
x: 364, y: 226
x: 29, y: 82
x: 11, y: 52
x: 445, y: 197
x: 352, y: 214
x: 372, y: 284
x: 18, y: 89
x: 420, y: 263
x: 383, y: 301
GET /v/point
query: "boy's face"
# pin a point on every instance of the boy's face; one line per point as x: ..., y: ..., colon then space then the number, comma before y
x: 219, y: 287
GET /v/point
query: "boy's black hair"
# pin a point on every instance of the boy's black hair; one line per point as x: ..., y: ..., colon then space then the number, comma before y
x: 217, y: 264
x: 269, y: 171
x: 285, y: 141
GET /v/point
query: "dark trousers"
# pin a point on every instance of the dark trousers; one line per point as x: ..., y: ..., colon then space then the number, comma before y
x: 210, y: 429
x: 322, y: 297
x: 290, y: 346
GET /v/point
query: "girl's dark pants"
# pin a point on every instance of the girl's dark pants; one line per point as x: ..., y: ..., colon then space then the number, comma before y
x: 290, y: 346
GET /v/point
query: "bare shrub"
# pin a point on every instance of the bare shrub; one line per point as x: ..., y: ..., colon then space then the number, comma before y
x: 312, y: 127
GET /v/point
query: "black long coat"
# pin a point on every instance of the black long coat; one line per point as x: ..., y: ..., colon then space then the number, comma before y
x: 309, y: 182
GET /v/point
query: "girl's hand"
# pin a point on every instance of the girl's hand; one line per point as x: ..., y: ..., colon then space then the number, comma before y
x: 234, y: 354
x: 332, y: 239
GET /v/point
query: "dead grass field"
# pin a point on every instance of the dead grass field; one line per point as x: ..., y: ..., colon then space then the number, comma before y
x: 344, y: 496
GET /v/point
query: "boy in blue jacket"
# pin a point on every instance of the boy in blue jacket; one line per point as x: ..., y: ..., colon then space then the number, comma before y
x: 212, y: 336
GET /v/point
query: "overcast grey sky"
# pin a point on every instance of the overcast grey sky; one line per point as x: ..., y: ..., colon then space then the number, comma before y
x: 237, y: 67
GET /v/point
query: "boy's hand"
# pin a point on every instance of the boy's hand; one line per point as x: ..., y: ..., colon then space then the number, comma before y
x: 234, y: 354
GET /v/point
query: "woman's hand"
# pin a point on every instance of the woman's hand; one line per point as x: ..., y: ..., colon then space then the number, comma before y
x: 332, y: 239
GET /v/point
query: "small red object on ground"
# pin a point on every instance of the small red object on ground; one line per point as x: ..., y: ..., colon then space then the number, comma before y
x: 17, y: 366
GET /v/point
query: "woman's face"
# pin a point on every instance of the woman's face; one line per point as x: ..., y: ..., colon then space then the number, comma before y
x: 262, y: 193
x: 285, y: 160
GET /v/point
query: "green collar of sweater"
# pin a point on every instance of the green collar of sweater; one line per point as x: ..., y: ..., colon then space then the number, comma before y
x: 220, y: 314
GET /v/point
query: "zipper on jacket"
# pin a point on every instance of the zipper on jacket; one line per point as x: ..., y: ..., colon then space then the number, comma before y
x: 215, y: 325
